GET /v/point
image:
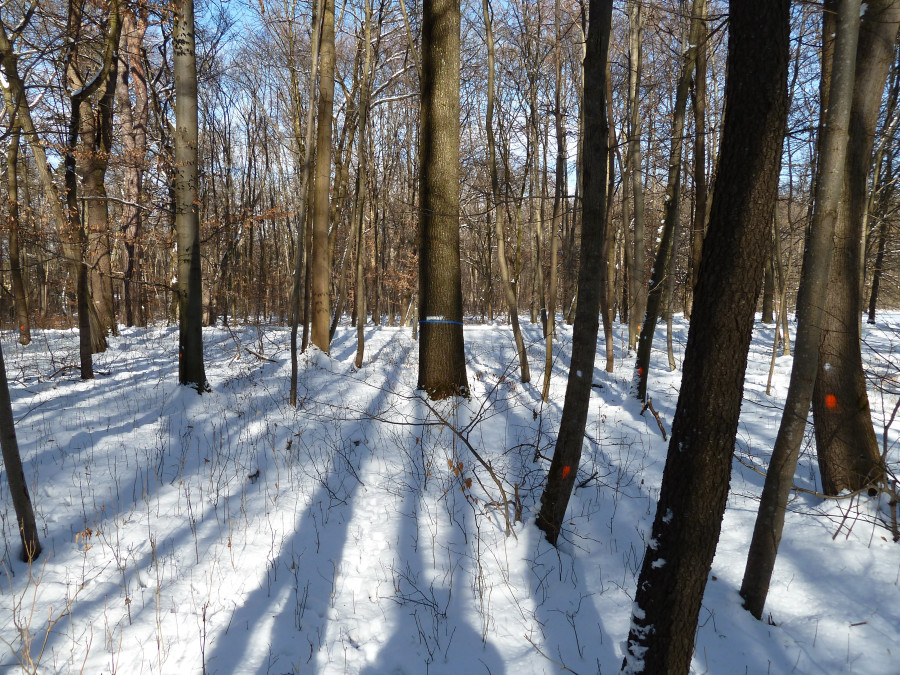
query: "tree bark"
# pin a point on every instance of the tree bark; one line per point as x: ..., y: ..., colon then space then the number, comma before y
x: 638, y: 294
x: 442, y: 361
x: 566, y: 457
x: 814, y: 279
x: 320, y: 258
x: 15, y: 476
x: 698, y: 467
x: 849, y: 458
x: 191, y: 370
x: 698, y: 223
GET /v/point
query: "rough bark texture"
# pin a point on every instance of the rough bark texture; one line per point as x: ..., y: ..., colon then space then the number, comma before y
x: 847, y: 449
x: 567, y: 455
x: 191, y: 371
x: 813, y: 290
x: 442, y: 361
x: 15, y: 476
x: 698, y: 468
x: 320, y: 258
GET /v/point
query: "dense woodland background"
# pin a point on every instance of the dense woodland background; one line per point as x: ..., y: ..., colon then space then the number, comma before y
x: 253, y: 66
x: 435, y: 165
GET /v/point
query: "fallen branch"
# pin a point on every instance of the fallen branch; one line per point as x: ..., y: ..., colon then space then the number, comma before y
x: 649, y: 404
x: 259, y: 356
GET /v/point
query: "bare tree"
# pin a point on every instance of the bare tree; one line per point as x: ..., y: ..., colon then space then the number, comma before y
x: 566, y: 457
x: 320, y: 258
x: 442, y: 360
x: 15, y: 476
x: 191, y: 371
x: 698, y: 466
x: 848, y: 452
x: 816, y: 265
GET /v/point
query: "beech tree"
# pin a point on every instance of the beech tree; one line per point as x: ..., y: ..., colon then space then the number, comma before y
x: 320, y: 258
x: 191, y: 371
x: 694, y: 490
x: 442, y: 360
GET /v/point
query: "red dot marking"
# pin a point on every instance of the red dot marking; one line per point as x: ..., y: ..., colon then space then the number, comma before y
x: 831, y: 401
x: 566, y: 471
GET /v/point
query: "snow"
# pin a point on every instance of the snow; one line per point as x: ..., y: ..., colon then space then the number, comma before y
x: 371, y: 540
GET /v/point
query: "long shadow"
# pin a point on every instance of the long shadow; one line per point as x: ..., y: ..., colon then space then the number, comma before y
x: 287, y: 614
x: 430, y: 631
x: 286, y: 618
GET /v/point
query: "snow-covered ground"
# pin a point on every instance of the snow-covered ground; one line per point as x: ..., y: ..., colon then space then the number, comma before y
x: 230, y: 533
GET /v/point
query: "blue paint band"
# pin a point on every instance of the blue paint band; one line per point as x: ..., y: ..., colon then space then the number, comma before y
x: 458, y: 323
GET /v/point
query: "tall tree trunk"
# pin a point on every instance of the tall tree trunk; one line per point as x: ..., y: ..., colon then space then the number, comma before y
x: 566, y: 457
x: 558, y: 206
x: 442, y: 360
x: 191, y: 370
x: 15, y: 476
x: 698, y: 466
x: 133, y: 118
x: 847, y: 449
x: 638, y: 294
x: 90, y: 161
x: 362, y: 184
x: 320, y: 258
x: 814, y: 279
x: 886, y: 185
x: 15, y: 259
x: 509, y: 290
x: 698, y: 222
x: 661, y: 264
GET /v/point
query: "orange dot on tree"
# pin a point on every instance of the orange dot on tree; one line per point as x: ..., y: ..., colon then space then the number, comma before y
x: 566, y: 471
x: 831, y: 401
x: 640, y: 371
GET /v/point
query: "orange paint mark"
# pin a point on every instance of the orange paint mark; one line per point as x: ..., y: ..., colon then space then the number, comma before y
x: 831, y: 401
x: 640, y: 371
x: 566, y: 471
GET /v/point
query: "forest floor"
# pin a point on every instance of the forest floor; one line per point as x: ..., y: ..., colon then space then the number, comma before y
x: 230, y: 533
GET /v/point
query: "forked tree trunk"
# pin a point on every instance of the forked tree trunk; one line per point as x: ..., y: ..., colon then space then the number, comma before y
x: 567, y: 456
x: 698, y: 466
x: 814, y: 279
x: 849, y: 458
